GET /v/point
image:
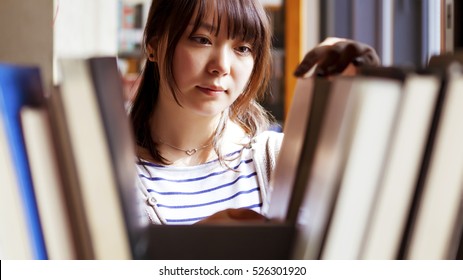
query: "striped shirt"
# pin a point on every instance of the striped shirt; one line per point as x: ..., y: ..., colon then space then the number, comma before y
x: 185, y: 195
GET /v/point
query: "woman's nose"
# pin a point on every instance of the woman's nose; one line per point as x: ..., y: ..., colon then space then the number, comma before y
x: 220, y: 63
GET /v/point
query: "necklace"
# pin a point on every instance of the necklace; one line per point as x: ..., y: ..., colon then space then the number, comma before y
x: 189, y: 152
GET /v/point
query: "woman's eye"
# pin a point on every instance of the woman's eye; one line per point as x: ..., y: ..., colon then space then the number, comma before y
x: 244, y: 50
x: 201, y: 40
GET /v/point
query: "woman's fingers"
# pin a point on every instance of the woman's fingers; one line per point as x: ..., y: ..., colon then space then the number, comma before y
x: 233, y: 216
x: 335, y: 56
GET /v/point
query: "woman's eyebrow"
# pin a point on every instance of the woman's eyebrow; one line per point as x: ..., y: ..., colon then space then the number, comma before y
x: 205, y: 25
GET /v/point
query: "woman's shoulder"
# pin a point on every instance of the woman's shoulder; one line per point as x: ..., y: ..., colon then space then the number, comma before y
x: 266, y: 147
x: 269, y: 140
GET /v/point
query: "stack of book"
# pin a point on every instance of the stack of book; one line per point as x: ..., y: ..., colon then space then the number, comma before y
x: 379, y: 172
x: 70, y: 190
x: 371, y: 167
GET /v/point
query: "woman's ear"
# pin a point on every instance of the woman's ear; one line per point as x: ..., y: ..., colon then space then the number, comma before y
x: 156, y: 49
x: 151, y: 54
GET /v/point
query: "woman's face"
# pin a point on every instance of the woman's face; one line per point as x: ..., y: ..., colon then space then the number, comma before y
x: 211, y: 71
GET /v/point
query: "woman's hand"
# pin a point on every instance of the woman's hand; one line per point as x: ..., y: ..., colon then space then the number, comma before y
x: 229, y: 216
x: 335, y: 55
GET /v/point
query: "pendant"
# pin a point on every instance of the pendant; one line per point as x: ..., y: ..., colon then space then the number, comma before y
x: 191, y: 152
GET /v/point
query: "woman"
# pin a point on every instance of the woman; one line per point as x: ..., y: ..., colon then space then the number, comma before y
x: 205, y: 152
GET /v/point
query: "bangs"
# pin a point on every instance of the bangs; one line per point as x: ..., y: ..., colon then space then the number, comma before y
x: 244, y: 20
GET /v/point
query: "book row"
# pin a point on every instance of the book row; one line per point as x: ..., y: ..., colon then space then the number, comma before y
x: 374, y: 169
x: 370, y: 168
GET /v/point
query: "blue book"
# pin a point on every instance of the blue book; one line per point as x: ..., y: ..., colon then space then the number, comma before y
x: 21, y: 86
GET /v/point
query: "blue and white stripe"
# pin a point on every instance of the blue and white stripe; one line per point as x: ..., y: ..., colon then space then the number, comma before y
x: 186, y: 195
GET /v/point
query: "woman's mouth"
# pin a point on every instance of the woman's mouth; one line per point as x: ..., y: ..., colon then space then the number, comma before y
x: 212, y: 90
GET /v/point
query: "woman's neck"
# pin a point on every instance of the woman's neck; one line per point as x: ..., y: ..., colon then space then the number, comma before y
x: 182, y: 137
x: 182, y: 129
x: 185, y: 138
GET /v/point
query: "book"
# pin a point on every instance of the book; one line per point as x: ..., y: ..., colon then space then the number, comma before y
x: 375, y: 104
x: 284, y: 174
x: 247, y: 241
x: 440, y: 65
x: 70, y: 180
x: 401, y: 171
x: 436, y: 229
x: 20, y: 86
x: 14, y: 240
x: 460, y: 245
x: 121, y: 145
x: 104, y: 153
x: 320, y: 99
x: 48, y: 183
x: 323, y: 184
x: 302, y: 163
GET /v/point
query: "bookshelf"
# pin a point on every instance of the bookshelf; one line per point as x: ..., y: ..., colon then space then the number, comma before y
x: 131, y: 17
x: 346, y: 119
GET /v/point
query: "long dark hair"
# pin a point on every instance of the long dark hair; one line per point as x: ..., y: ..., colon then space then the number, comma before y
x: 167, y: 21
